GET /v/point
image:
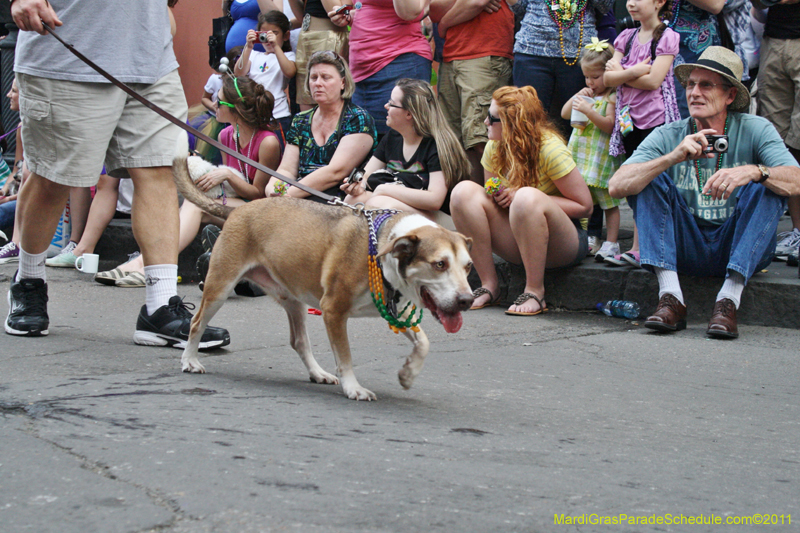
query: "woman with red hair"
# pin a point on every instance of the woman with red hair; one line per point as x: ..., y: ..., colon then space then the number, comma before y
x: 532, y: 209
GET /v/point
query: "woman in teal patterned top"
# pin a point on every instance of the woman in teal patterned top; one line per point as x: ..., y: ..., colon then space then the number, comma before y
x: 328, y: 141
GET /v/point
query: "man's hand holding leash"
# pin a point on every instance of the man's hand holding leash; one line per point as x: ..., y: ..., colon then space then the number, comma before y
x: 28, y: 15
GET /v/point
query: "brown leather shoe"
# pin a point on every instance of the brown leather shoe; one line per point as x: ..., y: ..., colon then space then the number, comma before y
x: 670, y: 315
x: 723, y: 320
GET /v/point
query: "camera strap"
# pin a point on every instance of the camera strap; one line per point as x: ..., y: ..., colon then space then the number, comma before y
x: 205, y: 138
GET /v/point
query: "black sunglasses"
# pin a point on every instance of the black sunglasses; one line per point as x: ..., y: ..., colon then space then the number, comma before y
x: 492, y: 119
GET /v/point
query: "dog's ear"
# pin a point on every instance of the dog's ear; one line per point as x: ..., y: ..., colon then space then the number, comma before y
x: 467, y: 242
x: 401, y: 248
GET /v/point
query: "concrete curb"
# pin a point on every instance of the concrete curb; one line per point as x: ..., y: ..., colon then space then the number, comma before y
x: 770, y: 299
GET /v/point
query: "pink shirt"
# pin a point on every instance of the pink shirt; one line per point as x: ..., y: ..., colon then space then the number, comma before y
x: 647, y: 107
x: 228, y: 138
x: 378, y: 36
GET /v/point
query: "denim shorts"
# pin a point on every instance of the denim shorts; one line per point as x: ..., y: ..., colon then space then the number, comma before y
x: 372, y: 93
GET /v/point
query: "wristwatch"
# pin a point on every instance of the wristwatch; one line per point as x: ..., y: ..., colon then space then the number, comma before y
x: 764, y: 173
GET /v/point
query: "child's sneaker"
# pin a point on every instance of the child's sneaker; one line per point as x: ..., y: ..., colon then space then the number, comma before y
x: 9, y: 253
x: 609, y: 249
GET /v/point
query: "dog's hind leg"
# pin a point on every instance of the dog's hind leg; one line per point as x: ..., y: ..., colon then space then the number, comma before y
x: 416, y: 359
x: 296, y: 312
x: 336, y: 324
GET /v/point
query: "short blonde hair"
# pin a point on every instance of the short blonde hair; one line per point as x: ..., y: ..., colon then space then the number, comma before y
x: 329, y: 57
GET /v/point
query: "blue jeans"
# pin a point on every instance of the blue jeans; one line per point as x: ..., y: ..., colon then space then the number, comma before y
x: 373, y: 93
x: 671, y: 238
x: 554, y: 81
x: 7, y: 211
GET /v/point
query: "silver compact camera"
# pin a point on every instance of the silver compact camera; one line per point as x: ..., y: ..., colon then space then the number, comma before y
x: 717, y: 144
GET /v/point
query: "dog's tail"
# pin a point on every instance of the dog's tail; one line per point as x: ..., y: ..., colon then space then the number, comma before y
x: 180, y: 172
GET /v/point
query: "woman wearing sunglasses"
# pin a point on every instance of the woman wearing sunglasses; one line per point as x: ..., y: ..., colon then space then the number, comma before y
x: 536, y: 216
x: 421, y: 157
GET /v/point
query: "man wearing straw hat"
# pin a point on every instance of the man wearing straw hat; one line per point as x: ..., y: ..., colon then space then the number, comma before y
x: 705, y: 213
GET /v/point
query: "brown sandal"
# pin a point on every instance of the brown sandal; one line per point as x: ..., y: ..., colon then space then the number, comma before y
x: 524, y: 297
x: 480, y: 291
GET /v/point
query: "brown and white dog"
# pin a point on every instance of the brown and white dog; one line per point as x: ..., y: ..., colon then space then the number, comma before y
x: 307, y: 254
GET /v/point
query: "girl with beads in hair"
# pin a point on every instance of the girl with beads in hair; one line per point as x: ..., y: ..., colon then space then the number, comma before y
x: 247, y: 107
x: 422, y: 155
x: 590, y: 141
x: 641, y: 70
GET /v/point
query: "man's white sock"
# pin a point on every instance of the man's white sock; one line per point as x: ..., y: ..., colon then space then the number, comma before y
x: 668, y: 282
x: 31, y: 266
x: 732, y: 288
x: 161, y: 284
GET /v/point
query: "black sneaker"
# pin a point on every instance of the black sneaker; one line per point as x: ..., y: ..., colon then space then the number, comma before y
x: 169, y: 326
x: 27, y: 308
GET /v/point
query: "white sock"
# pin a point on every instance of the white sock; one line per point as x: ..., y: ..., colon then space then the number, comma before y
x: 732, y: 288
x: 161, y: 284
x: 31, y: 266
x: 668, y: 282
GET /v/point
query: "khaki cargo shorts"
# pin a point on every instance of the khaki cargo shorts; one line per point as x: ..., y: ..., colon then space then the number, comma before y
x: 70, y: 129
x: 465, y: 93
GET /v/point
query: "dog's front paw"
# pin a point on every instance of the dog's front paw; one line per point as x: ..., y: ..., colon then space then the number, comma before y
x: 323, y: 377
x: 193, y: 365
x: 359, y: 393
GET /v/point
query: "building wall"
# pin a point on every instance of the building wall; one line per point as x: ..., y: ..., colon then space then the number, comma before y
x: 193, y: 19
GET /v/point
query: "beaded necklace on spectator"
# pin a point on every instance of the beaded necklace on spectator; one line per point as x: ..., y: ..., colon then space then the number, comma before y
x: 564, y: 13
x: 675, y: 16
x: 243, y: 167
x: 697, y: 161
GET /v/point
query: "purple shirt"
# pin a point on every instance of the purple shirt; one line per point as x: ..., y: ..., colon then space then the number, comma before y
x: 646, y: 107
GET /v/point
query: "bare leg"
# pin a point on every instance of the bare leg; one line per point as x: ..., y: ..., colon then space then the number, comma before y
x: 39, y: 207
x: 539, y: 224
x: 475, y: 215
x: 80, y: 201
x: 101, y: 212
x: 612, y: 224
x: 155, y: 215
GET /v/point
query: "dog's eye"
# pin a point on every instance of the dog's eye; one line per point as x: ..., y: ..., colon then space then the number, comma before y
x: 468, y: 268
x: 440, y: 265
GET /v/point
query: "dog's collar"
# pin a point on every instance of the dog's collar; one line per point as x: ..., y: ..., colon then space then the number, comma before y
x: 392, y: 295
x: 378, y: 282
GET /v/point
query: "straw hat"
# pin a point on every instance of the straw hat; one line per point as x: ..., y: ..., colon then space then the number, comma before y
x: 725, y: 63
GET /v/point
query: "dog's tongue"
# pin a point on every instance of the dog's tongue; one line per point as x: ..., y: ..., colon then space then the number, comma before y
x: 451, y: 323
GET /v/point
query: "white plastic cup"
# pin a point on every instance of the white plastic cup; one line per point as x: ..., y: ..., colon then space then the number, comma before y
x: 579, y: 120
x: 87, y: 263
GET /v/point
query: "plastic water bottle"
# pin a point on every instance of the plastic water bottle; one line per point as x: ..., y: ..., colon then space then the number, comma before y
x: 620, y: 309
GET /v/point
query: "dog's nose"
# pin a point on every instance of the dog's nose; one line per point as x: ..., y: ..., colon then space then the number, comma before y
x: 465, y: 301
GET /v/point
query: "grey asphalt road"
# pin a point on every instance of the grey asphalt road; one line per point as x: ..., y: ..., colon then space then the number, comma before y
x: 513, y: 422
